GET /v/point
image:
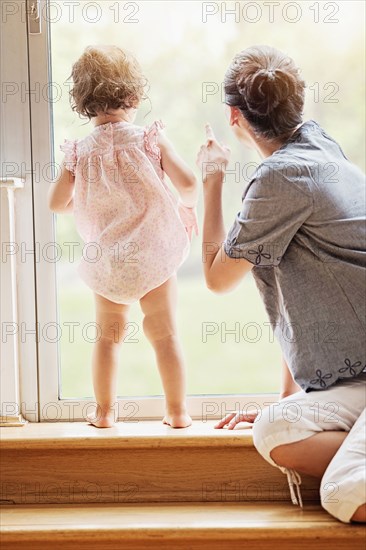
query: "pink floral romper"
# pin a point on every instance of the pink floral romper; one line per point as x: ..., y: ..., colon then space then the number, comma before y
x: 125, y: 213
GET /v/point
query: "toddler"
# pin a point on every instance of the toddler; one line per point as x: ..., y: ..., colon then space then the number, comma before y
x: 136, y: 232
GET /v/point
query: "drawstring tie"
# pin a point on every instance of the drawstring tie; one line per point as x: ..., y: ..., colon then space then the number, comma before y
x: 294, y: 480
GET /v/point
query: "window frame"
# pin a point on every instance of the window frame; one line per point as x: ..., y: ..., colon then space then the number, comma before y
x: 44, y: 294
x: 19, y: 365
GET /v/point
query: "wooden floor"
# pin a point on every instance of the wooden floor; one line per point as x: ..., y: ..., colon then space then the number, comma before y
x: 211, y: 526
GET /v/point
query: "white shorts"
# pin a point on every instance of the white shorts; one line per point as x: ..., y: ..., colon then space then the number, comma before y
x: 302, y: 415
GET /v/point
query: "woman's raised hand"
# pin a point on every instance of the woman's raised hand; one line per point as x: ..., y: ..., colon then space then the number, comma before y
x: 213, y: 157
x: 233, y: 418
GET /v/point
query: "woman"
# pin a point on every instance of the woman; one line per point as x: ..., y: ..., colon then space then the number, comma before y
x: 301, y: 231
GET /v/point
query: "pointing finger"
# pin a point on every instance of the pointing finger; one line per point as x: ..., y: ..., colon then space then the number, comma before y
x: 209, y: 132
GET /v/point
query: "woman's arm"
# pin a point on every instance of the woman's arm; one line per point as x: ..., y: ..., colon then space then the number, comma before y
x: 288, y: 385
x: 60, y: 194
x: 178, y: 171
x: 222, y: 273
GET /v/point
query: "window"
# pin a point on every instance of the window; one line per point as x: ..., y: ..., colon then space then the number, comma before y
x: 184, y: 48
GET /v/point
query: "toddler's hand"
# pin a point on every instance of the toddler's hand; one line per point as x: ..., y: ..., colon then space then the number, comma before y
x: 213, y: 157
x: 189, y: 219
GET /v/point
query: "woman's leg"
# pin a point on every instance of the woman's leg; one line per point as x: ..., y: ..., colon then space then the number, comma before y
x: 159, y: 308
x: 360, y: 514
x: 304, y: 431
x: 309, y: 456
x: 343, y: 486
x: 339, y: 459
x: 111, y: 319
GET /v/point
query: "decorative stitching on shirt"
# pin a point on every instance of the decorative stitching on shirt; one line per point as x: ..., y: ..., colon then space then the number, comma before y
x: 260, y: 254
x: 321, y: 378
x: 349, y: 367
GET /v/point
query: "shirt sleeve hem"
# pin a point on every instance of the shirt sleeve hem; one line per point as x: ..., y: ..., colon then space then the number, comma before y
x: 237, y: 253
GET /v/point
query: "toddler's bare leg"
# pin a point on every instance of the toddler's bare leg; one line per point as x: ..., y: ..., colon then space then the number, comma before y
x: 111, y: 319
x: 159, y: 308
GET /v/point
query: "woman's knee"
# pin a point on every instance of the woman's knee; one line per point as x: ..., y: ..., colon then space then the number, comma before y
x: 265, y: 428
x: 261, y: 429
x: 273, y: 433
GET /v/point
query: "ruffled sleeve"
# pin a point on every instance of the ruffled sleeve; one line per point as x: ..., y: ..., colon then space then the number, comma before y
x: 151, y: 139
x: 69, y: 148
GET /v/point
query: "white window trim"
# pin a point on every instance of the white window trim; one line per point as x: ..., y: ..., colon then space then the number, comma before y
x: 19, y: 374
x: 41, y: 386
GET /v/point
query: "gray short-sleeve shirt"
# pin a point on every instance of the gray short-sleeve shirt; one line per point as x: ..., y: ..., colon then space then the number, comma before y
x: 303, y: 226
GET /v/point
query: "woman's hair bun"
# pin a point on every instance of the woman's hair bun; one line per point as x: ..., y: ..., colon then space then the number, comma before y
x: 265, y: 84
x: 265, y: 89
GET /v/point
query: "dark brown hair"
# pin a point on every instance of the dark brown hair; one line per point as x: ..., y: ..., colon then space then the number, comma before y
x: 104, y: 78
x: 265, y: 85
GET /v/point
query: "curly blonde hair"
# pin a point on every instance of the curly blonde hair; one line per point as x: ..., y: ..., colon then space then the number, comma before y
x: 105, y: 78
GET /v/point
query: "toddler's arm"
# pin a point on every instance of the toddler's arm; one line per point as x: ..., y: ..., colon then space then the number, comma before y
x: 60, y: 194
x: 178, y: 171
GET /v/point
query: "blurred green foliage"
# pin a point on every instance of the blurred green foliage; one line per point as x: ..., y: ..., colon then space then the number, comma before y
x: 181, y: 55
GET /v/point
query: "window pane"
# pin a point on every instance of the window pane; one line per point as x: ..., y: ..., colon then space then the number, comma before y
x: 184, y: 58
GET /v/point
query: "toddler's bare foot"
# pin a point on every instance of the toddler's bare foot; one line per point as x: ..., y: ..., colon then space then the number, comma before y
x: 101, y: 421
x: 182, y: 420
